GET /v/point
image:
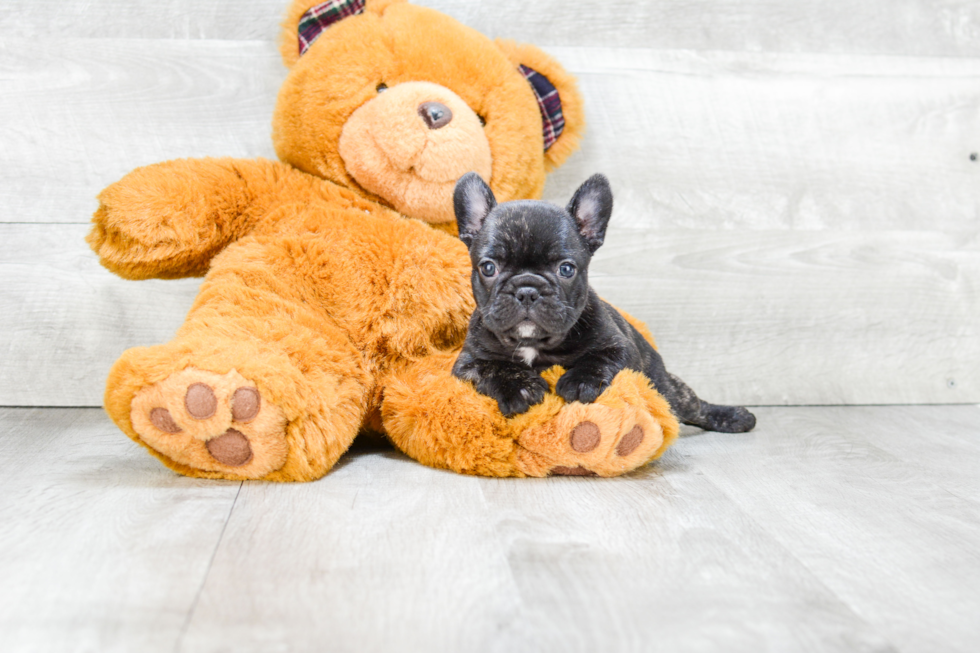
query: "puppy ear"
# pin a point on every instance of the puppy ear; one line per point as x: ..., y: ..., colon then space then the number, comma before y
x: 591, y: 206
x: 473, y: 200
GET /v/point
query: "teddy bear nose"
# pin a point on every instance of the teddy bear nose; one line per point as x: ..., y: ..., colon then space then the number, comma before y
x: 435, y: 114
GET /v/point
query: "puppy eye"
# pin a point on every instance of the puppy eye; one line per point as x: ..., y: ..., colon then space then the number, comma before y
x: 382, y: 87
x: 488, y: 269
x: 483, y: 121
x: 566, y: 270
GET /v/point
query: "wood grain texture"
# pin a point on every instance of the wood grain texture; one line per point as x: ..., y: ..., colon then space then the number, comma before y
x: 692, y: 140
x: 796, y: 228
x: 942, y: 441
x: 752, y: 318
x: 825, y: 529
x: 101, y: 548
x: 256, y: 20
x: 921, y: 27
x: 880, y: 530
x: 64, y: 319
x: 448, y: 563
x: 805, y: 317
x: 659, y: 559
x: 748, y: 141
x: 805, y: 535
x: 304, y: 568
x: 80, y: 114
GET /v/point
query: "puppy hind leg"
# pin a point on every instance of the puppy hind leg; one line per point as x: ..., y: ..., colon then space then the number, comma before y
x: 726, y: 419
x: 684, y: 402
x: 690, y: 409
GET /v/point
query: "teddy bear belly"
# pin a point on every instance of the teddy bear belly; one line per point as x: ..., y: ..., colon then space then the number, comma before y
x: 398, y: 287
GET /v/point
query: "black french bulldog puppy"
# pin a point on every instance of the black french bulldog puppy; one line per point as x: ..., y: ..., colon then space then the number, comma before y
x: 535, y: 308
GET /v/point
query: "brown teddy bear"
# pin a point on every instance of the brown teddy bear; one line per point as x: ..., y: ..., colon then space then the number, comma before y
x: 336, y: 295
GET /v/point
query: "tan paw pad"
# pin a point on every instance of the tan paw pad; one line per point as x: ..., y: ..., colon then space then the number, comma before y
x: 630, y: 442
x: 591, y: 439
x: 572, y: 471
x: 212, y: 422
x: 245, y: 404
x: 230, y: 448
x: 161, y: 418
x: 585, y: 437
x: 200, y: 402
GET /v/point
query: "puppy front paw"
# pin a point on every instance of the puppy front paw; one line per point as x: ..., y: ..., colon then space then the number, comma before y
x: 515, y: 393
x: 582, y: 384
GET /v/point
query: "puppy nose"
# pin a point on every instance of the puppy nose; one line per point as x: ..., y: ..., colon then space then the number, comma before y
x: 527, y: 295
x: 435, y: 114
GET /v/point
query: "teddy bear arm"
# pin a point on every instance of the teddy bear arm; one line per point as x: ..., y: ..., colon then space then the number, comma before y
x: 168, y: 220
x: 442, y: 422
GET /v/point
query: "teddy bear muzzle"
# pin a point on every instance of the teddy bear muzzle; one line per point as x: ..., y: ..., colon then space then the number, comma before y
x: 409, y: 145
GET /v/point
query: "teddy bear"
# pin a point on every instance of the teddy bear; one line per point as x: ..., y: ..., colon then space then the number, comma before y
x: 336, y: 295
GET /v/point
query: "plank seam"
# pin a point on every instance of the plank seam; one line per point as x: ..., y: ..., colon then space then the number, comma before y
x: 207, y: 572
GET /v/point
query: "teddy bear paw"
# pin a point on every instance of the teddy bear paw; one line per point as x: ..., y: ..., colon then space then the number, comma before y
x: 212, y: 422
x: 591, y: 440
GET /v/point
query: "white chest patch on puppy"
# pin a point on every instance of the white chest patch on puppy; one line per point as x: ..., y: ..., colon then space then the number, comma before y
x: 526, y: 330
x: 528, y: 354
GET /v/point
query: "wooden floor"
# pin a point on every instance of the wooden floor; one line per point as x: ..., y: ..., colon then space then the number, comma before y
x: 827, y: 529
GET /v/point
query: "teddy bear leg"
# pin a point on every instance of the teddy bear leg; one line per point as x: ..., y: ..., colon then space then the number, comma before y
x: 443, y: 422
x: 237, y: 409
x: 629, y: 425
x: 255, y: 386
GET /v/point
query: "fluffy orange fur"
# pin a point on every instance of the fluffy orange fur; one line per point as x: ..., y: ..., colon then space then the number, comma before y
x: 341, y: 313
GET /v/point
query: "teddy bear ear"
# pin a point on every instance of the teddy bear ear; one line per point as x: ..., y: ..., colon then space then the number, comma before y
x: 307, y: 20
x: 559, y: 100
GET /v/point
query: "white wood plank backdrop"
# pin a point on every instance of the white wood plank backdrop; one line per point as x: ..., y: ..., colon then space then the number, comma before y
x: 765, y: 317
x: 797, y: 208
x: 916, y: 27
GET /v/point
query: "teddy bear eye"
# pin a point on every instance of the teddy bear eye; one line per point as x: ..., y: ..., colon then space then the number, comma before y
x: 566, y: 270
x: 488, y: 269
x: 382, y: 87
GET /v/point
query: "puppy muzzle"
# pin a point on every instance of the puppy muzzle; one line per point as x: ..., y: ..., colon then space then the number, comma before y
x: 527, y: 309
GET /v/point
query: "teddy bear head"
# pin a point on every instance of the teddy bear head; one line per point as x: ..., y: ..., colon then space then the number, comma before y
x: 398, y: 101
